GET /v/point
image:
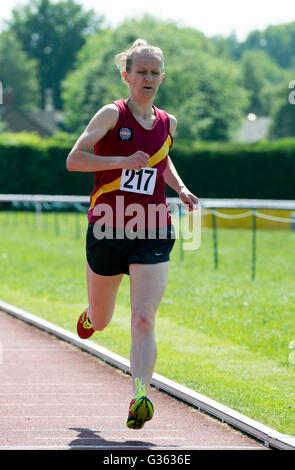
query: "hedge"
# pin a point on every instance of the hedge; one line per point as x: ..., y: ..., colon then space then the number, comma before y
x: 264, y: 170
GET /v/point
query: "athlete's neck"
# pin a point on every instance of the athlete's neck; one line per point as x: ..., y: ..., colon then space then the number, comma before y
x: 144, y: 111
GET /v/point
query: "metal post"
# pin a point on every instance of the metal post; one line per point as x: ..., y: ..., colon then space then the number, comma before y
x: 78, y: 232
x: 253, y: 244
x: 38, y: 207
x: 215, y: 245
x: 181, y: 254
x: 56, y: 220
x: 46, y: 216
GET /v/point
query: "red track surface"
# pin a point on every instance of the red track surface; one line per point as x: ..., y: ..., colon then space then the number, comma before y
x: 54, y: 396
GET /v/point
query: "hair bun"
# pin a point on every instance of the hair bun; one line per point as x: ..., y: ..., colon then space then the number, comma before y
x: 123, y: 60
x: 138, y: 42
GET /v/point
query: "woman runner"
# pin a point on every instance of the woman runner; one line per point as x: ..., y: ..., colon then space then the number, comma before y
x: 131, y: 139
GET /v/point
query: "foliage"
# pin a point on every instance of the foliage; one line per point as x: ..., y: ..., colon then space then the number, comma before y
x: 211, y: 84
x: 216, y: 170
x: 227, y: 46
x: 277, y: 41
x: 283, y: 121
x: 201, y: 88
x: 209, y: 169
x: 3, y: 125
x: 18, y: 73
x: 52, y: 34
x: 261, y: 76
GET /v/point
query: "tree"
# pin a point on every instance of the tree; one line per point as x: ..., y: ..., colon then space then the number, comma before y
x: 262, y: 77
x: 202, y: 89
x: 52, y: 33
x: 18, y: 73
x: 228, y: 46
x: 3, y: 125
x: 277, y: 41
x: 283, y: 113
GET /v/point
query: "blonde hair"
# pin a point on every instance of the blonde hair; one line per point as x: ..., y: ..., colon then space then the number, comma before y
x: 124, y: 60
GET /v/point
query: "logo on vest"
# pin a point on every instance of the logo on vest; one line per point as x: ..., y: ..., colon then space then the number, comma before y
x: 125, y: 133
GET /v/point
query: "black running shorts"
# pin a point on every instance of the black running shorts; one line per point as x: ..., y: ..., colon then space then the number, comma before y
x: 111, y: 256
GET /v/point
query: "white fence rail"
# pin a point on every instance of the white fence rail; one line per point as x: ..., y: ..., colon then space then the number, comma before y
x: 204, y: 202
x: 207, y: 205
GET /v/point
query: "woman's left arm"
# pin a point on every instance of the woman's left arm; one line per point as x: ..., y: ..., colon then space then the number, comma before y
x: 173, y: 179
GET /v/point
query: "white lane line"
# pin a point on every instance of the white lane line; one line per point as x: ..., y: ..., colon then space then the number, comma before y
x: 62, y: 416
x: 61, y: 393
x: 101, y: 429
x: 113, y: 447
x: 62, y: 404
x: 14, y: 384
x: 38, y: 349
x: 86, y: 447
x: 171, y: 438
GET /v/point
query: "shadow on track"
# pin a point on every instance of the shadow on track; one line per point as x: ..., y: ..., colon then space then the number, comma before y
x: 90, y: 439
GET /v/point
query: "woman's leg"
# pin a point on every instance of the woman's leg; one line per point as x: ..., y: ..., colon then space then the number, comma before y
x: 147, y: 286
x: 102, y: 293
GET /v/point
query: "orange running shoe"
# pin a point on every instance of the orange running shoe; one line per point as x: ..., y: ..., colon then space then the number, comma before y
x: 84, y: 327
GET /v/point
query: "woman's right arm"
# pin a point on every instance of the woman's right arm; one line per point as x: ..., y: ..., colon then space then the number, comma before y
x: 80, y: 158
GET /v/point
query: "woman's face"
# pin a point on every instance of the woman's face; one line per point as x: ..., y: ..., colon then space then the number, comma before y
x: 145, y: 76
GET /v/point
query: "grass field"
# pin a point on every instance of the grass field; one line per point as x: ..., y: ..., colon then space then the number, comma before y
x: 218, y: 332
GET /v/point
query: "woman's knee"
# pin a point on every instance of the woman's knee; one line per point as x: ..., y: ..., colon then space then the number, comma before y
x: 143, y: 321
x: 98, y: 320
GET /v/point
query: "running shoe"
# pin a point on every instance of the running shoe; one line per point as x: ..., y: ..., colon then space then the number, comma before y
x: 141, y: 408
x: 84, y: 327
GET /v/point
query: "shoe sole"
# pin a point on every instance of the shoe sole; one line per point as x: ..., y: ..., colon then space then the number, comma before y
x: 142, y: 411
x: 81, y: 336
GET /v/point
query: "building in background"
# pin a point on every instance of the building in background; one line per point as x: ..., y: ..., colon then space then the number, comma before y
x: 253, y: 129
x: 45, y: 122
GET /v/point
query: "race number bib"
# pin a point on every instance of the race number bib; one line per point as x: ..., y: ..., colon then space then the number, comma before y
x: 139, y: 181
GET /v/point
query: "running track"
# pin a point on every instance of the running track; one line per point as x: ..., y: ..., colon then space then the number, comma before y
x: 54, y: 396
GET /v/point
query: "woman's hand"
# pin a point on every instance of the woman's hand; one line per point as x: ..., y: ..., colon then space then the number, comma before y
x: 189, y: 199
x: 136, y: 161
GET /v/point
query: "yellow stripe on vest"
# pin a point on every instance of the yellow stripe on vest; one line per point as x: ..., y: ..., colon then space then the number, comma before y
x: 114, y: 185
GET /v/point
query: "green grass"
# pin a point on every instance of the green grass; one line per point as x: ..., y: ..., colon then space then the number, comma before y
x: 218, y: 331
